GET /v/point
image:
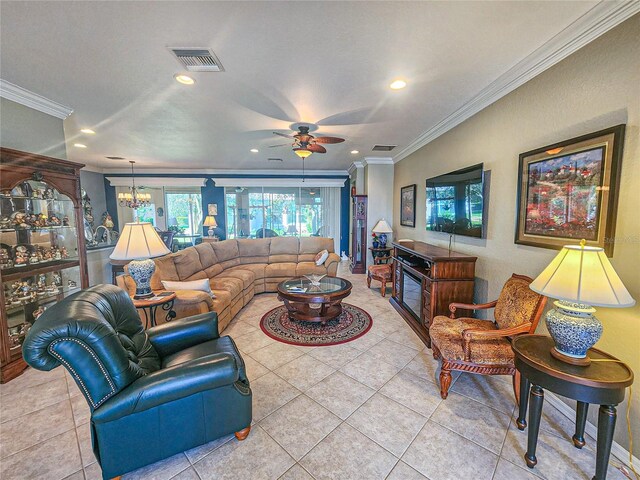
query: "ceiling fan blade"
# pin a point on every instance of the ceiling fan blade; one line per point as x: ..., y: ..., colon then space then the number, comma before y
x: 316, y: 148
x: 328, y: 140
x: 280, y: 145
x: 283, y: 135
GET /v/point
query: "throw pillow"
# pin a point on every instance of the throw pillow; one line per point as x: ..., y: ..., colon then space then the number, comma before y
x: 202, y: 285
x: 321, y: 257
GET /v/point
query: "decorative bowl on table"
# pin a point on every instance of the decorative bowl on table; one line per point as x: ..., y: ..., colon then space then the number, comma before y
x: 314, y: 279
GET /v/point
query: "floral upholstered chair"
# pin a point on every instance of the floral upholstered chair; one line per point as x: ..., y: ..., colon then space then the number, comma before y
x: 483, y: 346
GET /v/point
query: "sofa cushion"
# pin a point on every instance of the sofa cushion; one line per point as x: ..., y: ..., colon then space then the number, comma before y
x: 187, y: 263
x: 232, y: 285
x: 202, y: 285
x: 254, y: 251
x: 283, y: 249
x: 310, y: 246
x: 246, y: 276
x: 256, y: 268
x: 207, y: 255
x: 280, y: 270
x: 221, y: 302
x: 165, y: 270
x: 227, y: 253
x: 305, y: 268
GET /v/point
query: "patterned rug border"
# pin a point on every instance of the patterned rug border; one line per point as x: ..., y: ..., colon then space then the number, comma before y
x: 268, y: 334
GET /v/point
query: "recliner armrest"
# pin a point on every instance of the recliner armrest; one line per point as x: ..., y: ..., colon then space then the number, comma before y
x: 169, y: 384
x: 177, y: 335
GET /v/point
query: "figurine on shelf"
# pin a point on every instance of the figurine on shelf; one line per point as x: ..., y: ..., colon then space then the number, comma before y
x: 63, y: 252
x: 5, y: 259
x: 54, y: 221
x: 39, y: 311
x: 33, y: 257
x: 42, y: 282
x: 46, y: 254
x: 72, y: 284
x: 21, y: 256
x: 20, y: 220
x: 65, y: 221
x: 42, y: 220
x: 49, y: 194
x: 5, y: 222
x: 107, y: 221
x: 57, y: 280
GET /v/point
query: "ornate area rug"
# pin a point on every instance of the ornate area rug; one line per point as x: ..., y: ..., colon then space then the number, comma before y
x: 352, y: 323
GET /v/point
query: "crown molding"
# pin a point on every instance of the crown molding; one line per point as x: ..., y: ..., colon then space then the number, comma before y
x: 277, y: 182
x: 158, y: 181
x: 597, y: 21
x: 32, y: 100
x: 225, y: 172
x: 377, y: 161
x: 354, y: 166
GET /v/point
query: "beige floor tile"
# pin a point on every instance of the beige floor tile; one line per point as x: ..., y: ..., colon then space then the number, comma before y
x: 413, y: 392
x: 162, y: 470
x: 336, y: 355
x: 30, y: 378
x: 238, y: 328
x: 258, y: 457
x: 473, y: 420
x: 494, y: 391
x: 79, y: 475
x: 84, y: 441
x: 408, y: 338
x: 402, y: 471
x: 188, y: 474
x: 33, y: 428
x: 304, y: 372
x: 300, y: 425
x: 393, y: 353
x: 197, y: 453
x: 348, y: 454
x: 254, y: 369
x: 253, y: 341
x: 437, y: 452
x: 370, y: 370
x: 270, y: 392
x: 53, y: 459
x: 508, y: 471
x: 425, y: 366
x: 276, y: 354
x: 93, y: 472
x: 296, y: 473
x: 340, y: 394
x: 81, y: 410
x: 387, y: 423
x: 365, y: 342
x: 31, y: 399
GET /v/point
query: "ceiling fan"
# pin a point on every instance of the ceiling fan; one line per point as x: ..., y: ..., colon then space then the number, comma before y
x: 304, y: 144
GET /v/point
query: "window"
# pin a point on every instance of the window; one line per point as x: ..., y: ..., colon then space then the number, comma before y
x: 184, y: 210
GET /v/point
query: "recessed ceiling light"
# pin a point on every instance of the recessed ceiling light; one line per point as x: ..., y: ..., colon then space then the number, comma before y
x: 79, y: 145
x: 184, y: 79
x: 398, y: 84
x: 254, y: 150
x: 354, y: 152
x: 87, y: 130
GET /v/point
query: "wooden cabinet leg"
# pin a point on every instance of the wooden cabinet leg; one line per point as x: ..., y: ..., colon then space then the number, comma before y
x: 536, y: 398
x: 581, y: 420
x: 606, y: 426
x: 525, y: 385
x: 242, y: 434
x: 445, y: 382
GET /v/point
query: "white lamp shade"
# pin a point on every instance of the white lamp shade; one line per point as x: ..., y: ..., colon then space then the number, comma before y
x: 583, y: 275
x: 382, y: 227
x: 210, y: 221
x: 138, y: 241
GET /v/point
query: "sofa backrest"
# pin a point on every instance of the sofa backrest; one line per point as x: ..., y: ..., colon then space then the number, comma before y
x: 254, y: 251
x: 310, y: 246
x: 283, y: 249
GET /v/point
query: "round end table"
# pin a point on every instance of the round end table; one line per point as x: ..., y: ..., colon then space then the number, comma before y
x: 150, y: 305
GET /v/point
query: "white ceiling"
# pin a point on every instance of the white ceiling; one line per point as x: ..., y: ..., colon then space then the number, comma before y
x: 328, y: 63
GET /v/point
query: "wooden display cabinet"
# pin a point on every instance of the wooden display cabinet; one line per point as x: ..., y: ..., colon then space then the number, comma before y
x: 42, y: 245
x: 358, y: 234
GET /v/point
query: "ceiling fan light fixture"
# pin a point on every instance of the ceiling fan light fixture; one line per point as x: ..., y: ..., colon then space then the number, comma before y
x: 302, y: 152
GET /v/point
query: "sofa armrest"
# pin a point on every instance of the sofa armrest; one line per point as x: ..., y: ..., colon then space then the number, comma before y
x: 177, y: 335
x: 331, y: 264
x: 169, y: 384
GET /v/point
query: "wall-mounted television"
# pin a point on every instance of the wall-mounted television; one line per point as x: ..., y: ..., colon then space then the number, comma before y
x: 455, y: 202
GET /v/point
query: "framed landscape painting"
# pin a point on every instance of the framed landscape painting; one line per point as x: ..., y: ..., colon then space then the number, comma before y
x: 569, y: 191
x: 408, y: 206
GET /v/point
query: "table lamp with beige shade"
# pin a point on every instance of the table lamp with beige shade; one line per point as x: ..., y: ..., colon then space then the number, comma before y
x: 580, y: 277
x: 139, y: 242
x: 210, y: 221
x: 381, y: 229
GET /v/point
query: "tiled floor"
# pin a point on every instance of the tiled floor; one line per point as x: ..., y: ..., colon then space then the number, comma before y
x: 369, y: 409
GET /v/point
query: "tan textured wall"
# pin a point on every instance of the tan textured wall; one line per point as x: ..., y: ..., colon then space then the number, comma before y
x: 29, y: 130
x: 595, y: 88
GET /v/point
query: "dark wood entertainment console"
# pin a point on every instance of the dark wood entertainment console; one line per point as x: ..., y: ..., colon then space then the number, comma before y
x: 426, y: 279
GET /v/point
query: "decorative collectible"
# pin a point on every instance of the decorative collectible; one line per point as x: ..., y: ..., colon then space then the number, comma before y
x: 65, y: 221
x: 21, y: 255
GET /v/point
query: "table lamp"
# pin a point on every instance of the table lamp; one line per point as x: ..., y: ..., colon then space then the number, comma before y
x: 139, y: 242
x: 381, y: 229
x: 210, y: 221
x: 579, y: 277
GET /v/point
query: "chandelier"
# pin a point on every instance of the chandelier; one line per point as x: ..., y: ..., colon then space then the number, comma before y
x: 133, y: 199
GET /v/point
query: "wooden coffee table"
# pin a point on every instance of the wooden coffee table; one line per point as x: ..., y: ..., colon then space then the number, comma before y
x: 314, y: 303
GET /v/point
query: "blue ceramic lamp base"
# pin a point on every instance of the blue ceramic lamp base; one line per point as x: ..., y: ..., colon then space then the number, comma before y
x: 141, y: 272
x: 574, y: 330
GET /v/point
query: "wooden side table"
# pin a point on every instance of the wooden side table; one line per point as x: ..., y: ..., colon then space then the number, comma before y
x: 381, y: 255
x: 150, y: 305
x: 602, y: 383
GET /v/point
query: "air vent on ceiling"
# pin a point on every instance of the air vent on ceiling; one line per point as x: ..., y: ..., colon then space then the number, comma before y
x: 274, y: 159
x: 197, y: 59
x: 383, y: 148
x: 115, y: 158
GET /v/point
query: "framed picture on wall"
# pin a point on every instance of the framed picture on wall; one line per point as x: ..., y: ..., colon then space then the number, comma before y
x: 408, y: 206
x: 568, y: 191
x: 212, y: 209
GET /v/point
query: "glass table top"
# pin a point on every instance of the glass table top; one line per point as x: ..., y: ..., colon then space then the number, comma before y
x: 305, y: 285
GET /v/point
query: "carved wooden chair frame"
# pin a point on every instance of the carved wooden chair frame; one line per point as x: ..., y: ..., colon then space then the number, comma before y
x: 469, y: 334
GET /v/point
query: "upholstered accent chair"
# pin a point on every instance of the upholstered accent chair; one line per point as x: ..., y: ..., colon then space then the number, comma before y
x: 483, y: 346
x: 152, y: 393
x: 382, y: 273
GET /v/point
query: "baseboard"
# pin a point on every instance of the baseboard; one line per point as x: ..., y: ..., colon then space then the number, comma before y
x: 617, y: 449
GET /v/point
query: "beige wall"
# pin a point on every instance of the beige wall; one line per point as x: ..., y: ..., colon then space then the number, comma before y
x: 26, y: 129
x: 379, y: 190
x: 595, y: 88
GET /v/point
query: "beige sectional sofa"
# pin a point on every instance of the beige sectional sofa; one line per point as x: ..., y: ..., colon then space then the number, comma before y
x: 237, y: 269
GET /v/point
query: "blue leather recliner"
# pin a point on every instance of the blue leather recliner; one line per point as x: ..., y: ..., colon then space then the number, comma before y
x: 152, y: 393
